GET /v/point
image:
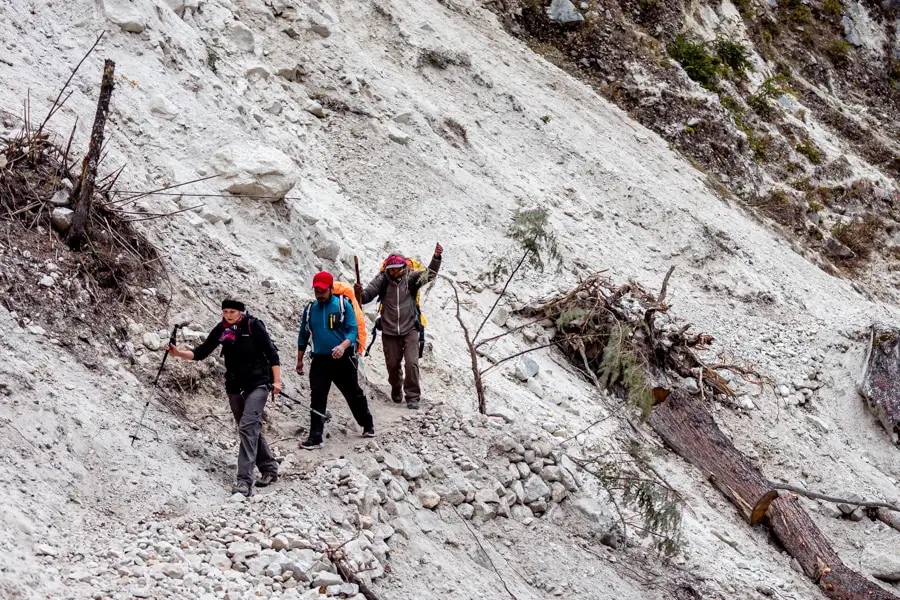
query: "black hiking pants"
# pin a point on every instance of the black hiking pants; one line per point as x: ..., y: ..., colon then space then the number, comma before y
x: 247, y: 408
x: 326, y: 370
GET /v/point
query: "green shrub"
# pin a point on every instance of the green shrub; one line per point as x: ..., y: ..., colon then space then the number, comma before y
x: 731, y: 105
x: 733, y: 55
x: 859, y: 235
x: 810, y: 151
x: 796, y: 12
x: 771, y: 88
x: 778, y: 206
x: 833, y: 8
x: 696, y: 60
x: 759, y: 144
x: 838, y: 51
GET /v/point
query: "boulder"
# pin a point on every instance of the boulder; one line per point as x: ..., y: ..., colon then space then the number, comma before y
x: 241, y: 37
x: 127, y: 14
x: 564, y: 12
x: 250, y: 168
x: 413, y: 467
x: 429, y: 498
x: 519, y: 490
x: 61, y: 218
x: 162, y: 107
x: 487, y: 496
x: 835, y: 249
x: 151, y: 341
x: 596, y: 512
x: 526, y: 368
x: 326, y: 578
x: 60, y: 198
x: 535, y: 489
x: 398, y: 136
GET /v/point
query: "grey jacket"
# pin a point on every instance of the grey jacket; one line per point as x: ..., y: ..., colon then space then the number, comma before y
x: 398, y: 298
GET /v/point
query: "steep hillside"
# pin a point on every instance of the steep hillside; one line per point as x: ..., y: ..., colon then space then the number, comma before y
x: 790, y: 107
x: 360, y: 128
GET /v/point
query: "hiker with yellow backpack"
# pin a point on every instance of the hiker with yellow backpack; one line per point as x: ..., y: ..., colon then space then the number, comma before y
x: 397, y: 289
x: 332, y: 323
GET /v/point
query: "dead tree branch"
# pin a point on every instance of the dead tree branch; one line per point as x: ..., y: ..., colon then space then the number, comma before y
x: 81, y: 218
x: 817, y: 496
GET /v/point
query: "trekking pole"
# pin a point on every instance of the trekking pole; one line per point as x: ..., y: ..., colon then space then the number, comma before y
x: 326, y: 416
x: 356, y: 265
x: 155, y: 381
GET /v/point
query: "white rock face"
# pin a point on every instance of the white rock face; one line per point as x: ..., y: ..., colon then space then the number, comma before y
x: 131, y: 15
x: 254, y: 169
x: 241, y: 37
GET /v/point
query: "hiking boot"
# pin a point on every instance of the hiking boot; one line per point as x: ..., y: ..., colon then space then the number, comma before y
x: 413, y: 405
x: 369, y: 432
x: 241, y: 487
x: 311, y: 443
x: 266, y: 479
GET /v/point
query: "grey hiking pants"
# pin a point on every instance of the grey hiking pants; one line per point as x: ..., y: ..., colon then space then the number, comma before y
x: 247, y: 409
x: 397, y: 349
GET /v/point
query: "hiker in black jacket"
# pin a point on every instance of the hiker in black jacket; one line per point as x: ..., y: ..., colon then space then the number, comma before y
x: 252, y: 369
x: 396, y: 287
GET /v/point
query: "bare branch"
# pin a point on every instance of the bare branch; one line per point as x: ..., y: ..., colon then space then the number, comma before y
x: 57, y: 103
x: 488, y: 556
x: 817, y: 496
x: 502, y: 293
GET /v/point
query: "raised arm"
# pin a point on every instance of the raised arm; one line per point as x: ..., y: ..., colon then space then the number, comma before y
x: 419, y: 278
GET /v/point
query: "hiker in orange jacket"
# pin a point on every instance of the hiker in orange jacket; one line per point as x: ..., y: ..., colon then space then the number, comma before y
x: 396, y: 287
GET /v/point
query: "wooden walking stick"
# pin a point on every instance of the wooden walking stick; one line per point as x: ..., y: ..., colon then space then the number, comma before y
x: 356, y: 265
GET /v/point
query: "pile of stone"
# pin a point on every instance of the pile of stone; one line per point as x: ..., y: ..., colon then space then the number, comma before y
x: 233, y: 554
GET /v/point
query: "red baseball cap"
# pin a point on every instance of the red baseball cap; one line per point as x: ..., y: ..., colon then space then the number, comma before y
x: 323, y: 280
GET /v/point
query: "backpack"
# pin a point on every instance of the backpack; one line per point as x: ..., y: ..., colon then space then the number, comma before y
x: 344, y: 290
x: 412, y: 265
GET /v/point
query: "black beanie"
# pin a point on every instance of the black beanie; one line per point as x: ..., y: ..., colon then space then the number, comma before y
x: 235, y: 304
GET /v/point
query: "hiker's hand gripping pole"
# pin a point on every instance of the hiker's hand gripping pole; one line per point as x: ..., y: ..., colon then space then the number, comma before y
x: 156, y: 380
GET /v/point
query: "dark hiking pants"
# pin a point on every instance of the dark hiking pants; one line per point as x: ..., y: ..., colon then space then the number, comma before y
x: 326, y: 370
x: 396, y: 350
x: 247, y: 408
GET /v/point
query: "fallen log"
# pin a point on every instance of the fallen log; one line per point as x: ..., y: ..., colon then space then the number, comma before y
x: 628, y: 341
x: 880, y: 385
x: 686, y: 426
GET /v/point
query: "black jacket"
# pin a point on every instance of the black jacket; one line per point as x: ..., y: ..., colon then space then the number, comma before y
x: 248, y: 359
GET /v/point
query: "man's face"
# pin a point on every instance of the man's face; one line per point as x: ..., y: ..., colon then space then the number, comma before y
x: 396, y: 273
x: 231, y: 315
x: 322, y: 295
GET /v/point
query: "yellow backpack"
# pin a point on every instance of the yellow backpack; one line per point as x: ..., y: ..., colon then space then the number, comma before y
x: 412, y: 265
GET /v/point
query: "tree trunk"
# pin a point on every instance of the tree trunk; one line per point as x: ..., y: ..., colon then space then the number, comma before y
x: 880, y: 385
x: 688, y: 428
x: 82, y: 216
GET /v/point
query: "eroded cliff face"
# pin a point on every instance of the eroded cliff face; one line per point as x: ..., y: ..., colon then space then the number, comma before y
x: 791, y: 107
x: 361, y: 128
